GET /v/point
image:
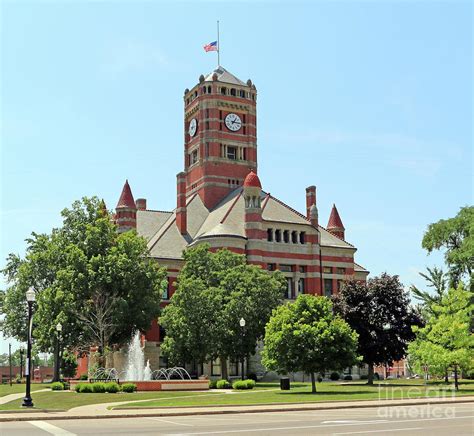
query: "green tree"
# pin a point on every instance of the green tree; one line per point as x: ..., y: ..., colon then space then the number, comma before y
x: 446, y: 341
x: 68, y: 364
x: 307, y: 336
x: 456, y: 237
x: 71, y: 265
x: 214, y: 291
x: 436, y: 280
x: 380, y: 313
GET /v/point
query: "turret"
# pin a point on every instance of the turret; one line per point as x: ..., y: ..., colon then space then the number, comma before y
x: 126, y: 210
x: 335, y: 225
x: 253, y: 209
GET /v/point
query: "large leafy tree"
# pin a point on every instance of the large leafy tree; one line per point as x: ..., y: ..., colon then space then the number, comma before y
x: 214, y: 291
x: 307, y: 336
x: 446, y: 341
x: 456, y: 237
x: 380, y: 313
x: 70, y: 267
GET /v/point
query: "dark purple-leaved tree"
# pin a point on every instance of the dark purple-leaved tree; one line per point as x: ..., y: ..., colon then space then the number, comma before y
x: 379, y: 311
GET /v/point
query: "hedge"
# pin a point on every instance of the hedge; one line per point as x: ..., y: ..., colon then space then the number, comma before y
x: 243, y: 384
x: 223, y: 384
x: 129, y: 387
x: 57, y: 386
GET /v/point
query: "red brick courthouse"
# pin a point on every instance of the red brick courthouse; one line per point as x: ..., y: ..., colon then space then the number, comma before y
x: 221, y: 201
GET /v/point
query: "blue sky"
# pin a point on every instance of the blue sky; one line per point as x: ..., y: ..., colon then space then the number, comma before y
x: 371, y: 102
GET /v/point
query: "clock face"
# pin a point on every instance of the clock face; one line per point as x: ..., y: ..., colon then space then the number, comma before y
x: 193, y: 125
x: 233, y: 122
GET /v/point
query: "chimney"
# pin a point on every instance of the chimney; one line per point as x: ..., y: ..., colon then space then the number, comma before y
x: 140, y: 203
x: 310, y: 199
x: 181, y: 214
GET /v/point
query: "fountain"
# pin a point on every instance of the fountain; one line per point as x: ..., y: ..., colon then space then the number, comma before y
x: 136, y: 369
x: 170, y: 379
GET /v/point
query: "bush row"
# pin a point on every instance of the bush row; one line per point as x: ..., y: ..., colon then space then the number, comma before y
x: 100, y: 388
x: 239, y: 384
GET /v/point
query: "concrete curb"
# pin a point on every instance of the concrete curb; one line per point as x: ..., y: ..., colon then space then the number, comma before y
x: 213, y: 410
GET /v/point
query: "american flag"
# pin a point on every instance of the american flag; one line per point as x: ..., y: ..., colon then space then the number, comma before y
x: 212, y: 46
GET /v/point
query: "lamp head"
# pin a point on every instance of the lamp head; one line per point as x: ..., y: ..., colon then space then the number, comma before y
x: 59, y: 327
x: 242, y: 322
x: 31, y: 295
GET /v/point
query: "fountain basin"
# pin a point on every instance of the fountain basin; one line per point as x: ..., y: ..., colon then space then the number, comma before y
x: 162, y: 385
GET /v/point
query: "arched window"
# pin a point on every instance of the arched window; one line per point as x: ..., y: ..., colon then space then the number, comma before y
x: 233, y: 92
x: 223, y: 90
x: 294, y: 237
x: 242, y: 93
x: 209, y: 89
x: 203, y: 89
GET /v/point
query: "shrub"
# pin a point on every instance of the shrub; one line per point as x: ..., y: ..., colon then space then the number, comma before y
x: 223, y: 384
x: 57, y: 386
x: 364, y: 377
x: 112, y: 387
x: 212, y: 384
x: 253, y: 377
x: 98, y: 388
x: 83, y: 377
x: 78, y: 387
x: 320, y: 379
x: 129, y: 387
x: 86, y: 388
x: 244, y: 384
x: 347, y: 377
x: 334, y: 376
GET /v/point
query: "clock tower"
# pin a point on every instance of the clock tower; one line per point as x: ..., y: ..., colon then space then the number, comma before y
x: 220, y: 137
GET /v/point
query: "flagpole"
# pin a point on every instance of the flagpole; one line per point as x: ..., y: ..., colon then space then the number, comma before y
x: 218, y: 46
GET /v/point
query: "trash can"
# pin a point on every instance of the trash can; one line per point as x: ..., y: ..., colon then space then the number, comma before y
x: 285, y: 383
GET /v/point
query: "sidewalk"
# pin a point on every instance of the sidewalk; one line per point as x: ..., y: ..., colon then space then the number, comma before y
x: 13, y: 397
x: 92, y: 412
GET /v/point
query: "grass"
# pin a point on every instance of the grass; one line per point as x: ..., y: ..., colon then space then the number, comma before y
x: 301, y: 393
x: 6, y: 389
x: 264, y: 393
x: 64, y: 400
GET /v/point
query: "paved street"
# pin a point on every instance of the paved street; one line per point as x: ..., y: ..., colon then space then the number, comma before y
x: 446, y: 419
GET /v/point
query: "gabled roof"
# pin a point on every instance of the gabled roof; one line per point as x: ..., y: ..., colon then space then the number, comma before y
x: 335, y: 221
x: 224, y: 76
x: 126, y: 198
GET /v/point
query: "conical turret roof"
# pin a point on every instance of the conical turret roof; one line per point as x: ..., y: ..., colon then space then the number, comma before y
x: 126, y: 198
x: 335, y: 221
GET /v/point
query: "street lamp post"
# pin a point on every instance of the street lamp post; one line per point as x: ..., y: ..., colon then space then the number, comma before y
x: 242, y: 324
x: 57, y: 362
x: 22, y: 352
x: 30, y: 298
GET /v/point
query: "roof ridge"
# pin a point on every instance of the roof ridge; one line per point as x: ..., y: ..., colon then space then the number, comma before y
x: 231, y: 207
x: 155, y: 210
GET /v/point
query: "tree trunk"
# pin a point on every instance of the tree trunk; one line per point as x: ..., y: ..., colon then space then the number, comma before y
x: 224, y: 373
x: 313, y: 383
x: 370, y: 374
x: 446, y: 377
x: 456, y: 383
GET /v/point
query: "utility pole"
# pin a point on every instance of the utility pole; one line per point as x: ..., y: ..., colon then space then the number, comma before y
x: 10, y: 360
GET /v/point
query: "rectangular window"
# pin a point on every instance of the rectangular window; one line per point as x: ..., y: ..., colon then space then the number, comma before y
x: 207, y: 125
x: 327, y: 270
x: 339, y: 285
x: 232, y: 153
x: 207, y: 113
x: 244, y: 153
x: 300, y: 286
x: 302, y: 269
x: 341, y: 270
x: 289, y: 288
x: 233, y: 368
x: 207, y: 149
x: 271, y: 266
x: 286, y: 236
x: 194, y: 157
x: 294, y: 237
x: 163, y: 362
x: 302, y: 237
x: 286, y: 268
x: 327, y: 287
x: 269, y: 235
x: 278, y: 235
x: 216, y: 367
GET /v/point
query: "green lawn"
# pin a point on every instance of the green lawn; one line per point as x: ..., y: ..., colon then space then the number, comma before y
x: 264, y: 393
x: 301, y: 393
x: 61, y: 400
x: 6, y: 389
